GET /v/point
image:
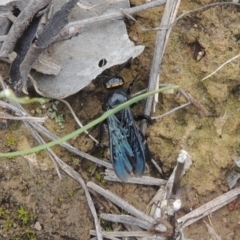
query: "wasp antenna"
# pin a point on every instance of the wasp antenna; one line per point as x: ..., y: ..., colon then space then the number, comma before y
x: 102, y: 76
x: 130, y: 87
x: 124, y: 65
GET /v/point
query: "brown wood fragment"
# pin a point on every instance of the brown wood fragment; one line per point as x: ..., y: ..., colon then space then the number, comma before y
x: 22, y: 22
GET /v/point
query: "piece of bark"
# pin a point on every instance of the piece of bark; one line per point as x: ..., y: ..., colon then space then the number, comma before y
x: 21, y: 48
x: 45, y: 39
x: 20, y: 25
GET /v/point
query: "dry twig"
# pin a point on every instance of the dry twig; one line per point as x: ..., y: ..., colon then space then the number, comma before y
x: 168, y: 17
x: 228, y: 61
x: 23, y: 20
x: 120, y: 202
x: 4, y: 115
x: 144, y: 180
x: 208, y: 208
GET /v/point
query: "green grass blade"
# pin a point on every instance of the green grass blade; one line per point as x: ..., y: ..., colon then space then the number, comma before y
x: 88, y: 126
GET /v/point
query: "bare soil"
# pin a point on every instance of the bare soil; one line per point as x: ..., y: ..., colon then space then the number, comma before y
x: 36, y: 204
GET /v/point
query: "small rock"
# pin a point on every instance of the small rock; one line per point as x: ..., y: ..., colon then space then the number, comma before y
x: 38, y: 226
x: 238, y: 162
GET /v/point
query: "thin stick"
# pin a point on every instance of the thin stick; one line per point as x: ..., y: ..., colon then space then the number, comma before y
x: 78, y: 178
x: 171, y: 111
x: 67, y: 104
x: 156, y: 166
x: 121, y: 234
x: 29, y: 118
x: 160, y: 45
x: 228, y: 61
x: 126, y: 219
x: 111, y: 16
x: 203, y: 8
x: 180, y: 16
x: 208, y: 208
x: 120, y: 202
x: 144, y: 180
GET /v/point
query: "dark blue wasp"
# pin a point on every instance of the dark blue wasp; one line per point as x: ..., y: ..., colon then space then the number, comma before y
x: 128, y: 148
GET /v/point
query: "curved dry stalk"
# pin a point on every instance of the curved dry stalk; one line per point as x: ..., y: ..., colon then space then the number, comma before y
x: 77, y: 120
x: 228, y: 61
x: 171, y: 111
x: 204, y: 7
x: 35, y: 85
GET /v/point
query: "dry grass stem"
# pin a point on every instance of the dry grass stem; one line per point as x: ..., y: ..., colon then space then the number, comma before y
x: 144, y: 180
x: 204, y: 8
x: 181, y: 15
x: 161, y: 42
x: 126, y: 219
x: 212, y: 232
x: 67, y: 104
x: 4, y: 115
x: 171, y: 111
x: 208, y: 208
x: 214, y: 72
x: 121, y: 234
x: 120, y: 202
x: 157, y: 166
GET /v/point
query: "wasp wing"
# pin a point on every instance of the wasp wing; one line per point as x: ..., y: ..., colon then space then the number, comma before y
x: 136, y: 141
x: 121, y: 152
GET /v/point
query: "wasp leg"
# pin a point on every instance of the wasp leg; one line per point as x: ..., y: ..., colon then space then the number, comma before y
x: 127, y: 64
x: 140, y: 117
x: 130, y: 87
x: 100, y: 133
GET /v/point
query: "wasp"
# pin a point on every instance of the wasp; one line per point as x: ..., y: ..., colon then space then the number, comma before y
x: 128, y: 148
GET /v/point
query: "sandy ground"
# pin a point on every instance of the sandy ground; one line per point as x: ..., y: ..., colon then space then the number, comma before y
x: 36, y: 204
